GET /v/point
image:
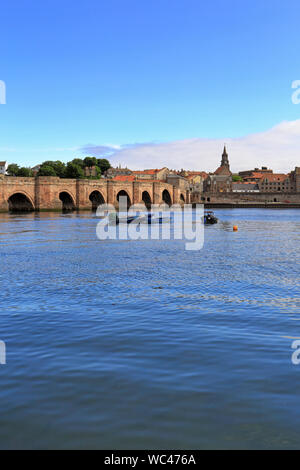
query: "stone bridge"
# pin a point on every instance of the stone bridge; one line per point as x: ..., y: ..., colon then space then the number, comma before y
x: 51, y: 193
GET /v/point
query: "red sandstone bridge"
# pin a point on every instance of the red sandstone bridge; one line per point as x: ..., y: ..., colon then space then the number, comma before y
x: 51, y: 193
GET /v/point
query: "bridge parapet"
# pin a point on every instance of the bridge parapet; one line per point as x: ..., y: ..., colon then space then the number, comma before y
x: 49, y: 192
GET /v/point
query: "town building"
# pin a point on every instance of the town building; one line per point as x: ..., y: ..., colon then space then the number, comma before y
x: 274, y: 182
x: 241, y: 187
x: 178, y: 181
x: 252, y: 173
x: 90, y: 171
x: 152, y: 174
x: 35, y: 169
x: 112, y: 172
x: 295, y: 180
x: 125, y: 178
x: 221, y: 180
x: 3, y: 168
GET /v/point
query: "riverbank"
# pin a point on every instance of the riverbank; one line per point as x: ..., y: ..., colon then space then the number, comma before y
x: 250, y: 205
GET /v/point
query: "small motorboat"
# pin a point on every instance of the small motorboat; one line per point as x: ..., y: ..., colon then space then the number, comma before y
x: 155, y: 219
x: 125, y: 219
x: 138, y: 219
x: 210, y: 218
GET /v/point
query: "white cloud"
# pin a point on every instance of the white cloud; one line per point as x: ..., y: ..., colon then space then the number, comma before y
x: 277, y: 148
x: 101, y: 151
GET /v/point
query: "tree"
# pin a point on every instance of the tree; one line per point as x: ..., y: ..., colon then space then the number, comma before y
x: 78, y: 161
x: 103, y: 164
x: 13, y: 169
x: 74, y: 171
x: 90, y: 161
x: 23, y: 171
x: 236, y: 178
x: 46, y: 170
x: 58, y: 167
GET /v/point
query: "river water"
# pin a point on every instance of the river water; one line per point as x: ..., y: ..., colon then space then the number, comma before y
x: 142, y: 344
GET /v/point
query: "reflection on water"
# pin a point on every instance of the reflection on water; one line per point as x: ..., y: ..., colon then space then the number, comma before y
x: 141, y: 344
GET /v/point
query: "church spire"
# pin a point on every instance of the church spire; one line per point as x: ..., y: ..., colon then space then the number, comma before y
x: 224, y: 169
x: 225, y: 159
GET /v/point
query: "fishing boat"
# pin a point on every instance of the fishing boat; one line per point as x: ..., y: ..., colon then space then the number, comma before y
x: 210, y: 218
x: 139, y: 219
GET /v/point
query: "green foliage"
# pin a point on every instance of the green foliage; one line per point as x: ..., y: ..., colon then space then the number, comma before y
x: 25, y: 172
x: 58, y: 167
x: 103, y: 164
x: 78, y: 161
x: 236, y: 178
x: 46, y: 170
x: 74, y: 171
x: 13, y: 169
x: 90, y: 161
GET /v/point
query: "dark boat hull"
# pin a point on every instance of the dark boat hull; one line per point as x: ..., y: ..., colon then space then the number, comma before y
x: 210, y: 218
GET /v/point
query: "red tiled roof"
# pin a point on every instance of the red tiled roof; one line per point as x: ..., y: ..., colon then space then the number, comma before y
x: 124, y: 178
x: 131, y: 178
x: 256, y: 175
x: 222, y: 170
x: 274, y: 178
x: 197, y: 173
x: 244, y: 182
x: 150, y: 181
x: 147, y: 172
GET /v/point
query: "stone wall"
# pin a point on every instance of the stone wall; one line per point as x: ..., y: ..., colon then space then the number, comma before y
x: 240, y: 198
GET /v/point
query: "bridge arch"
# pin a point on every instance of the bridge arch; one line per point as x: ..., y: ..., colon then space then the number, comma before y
x: 96, y: 198
x: 146, y: 198
x: 67, y: 200
x: 20, y: 202
x: 124, y: 194
x: 166, y: 197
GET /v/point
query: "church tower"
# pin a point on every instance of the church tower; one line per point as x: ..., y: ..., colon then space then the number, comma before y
x: 224, y: 169
x: 225, y: 160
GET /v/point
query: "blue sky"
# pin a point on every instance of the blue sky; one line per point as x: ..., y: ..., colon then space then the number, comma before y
x: 121, y: 72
